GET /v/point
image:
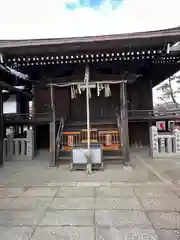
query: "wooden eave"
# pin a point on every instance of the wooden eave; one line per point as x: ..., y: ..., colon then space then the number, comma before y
x: 19, y: 51
x: 9, y: 78
x: 92, y: 43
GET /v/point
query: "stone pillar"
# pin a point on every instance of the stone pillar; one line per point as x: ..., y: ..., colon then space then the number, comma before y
x: 153, y: 141
x: 10, y: 137
x: 124, y: 122
x: 33, y: 111
x: 169, y: 145
x: 30, y: 144
x: 162, y: 145
x: 177, y: 140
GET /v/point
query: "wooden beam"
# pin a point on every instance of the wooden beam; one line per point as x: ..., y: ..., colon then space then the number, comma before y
x: 95, y: 76
x: 53, y: 130
x: 11, y: 88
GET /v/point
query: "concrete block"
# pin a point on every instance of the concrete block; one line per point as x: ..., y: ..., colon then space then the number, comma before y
x: 27, y: 204
x: 161, y: 204
x: 76, y: 192
x: 17, y: 218
x: 13, y: 233
x: 68, y: 217
x: 127, y: 203
x: 64, y: 233
x: 40, y: 192
x: 155, y: 192
x: 72, y: 203
x: 168, y: 234
x: 125, y: 234
x: 120, y: 218
x: 167, y: 220
x: 11, y: 192
x: 114, y: 192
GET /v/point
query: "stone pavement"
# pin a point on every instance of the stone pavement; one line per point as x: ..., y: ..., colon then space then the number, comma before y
x: 142, y: 203
x: 89, y: 212
x: 37, y: 172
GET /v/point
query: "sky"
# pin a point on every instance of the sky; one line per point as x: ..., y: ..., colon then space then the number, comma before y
x: 28, y: 19
x: 23, y: 19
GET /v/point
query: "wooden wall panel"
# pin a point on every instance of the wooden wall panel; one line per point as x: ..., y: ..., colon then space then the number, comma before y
x: 43, y: 102
x: 140, y: 98
x: 101, y: 108
x: 140, y: 95
x: 139, y: 134
x: 62, y: 101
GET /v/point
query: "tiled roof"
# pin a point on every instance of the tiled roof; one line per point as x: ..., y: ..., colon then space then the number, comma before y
x: 58, y: 41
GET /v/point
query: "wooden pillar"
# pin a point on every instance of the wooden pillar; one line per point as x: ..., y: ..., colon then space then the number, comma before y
x: 53, y: 129
x: 1, y: 130
x: 33, y: 111
x: 22, y: 103
x: 124, y: 123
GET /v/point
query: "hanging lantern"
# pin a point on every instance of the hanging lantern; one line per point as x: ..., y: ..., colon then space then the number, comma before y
x: 70, y: 140
x: 108, y: 140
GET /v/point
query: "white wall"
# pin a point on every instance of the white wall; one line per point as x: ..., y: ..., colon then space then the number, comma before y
x: 10, y: 106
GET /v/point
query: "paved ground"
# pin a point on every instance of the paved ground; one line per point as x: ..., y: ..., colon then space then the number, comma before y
x: 142, y: 203
x: 20, y: 174
x: 101, y: 213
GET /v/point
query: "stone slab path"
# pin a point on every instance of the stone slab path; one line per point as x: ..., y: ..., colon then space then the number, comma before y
x: 90, y: 213
x: 138, y: 203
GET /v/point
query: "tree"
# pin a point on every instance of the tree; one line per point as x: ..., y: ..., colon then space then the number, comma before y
x: 169, y: 92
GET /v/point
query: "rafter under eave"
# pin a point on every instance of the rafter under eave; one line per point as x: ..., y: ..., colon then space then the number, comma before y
x: 14, y: 72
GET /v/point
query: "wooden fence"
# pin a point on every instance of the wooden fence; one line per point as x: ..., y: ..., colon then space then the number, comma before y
x: 164, y: 144
x: 19, y: 148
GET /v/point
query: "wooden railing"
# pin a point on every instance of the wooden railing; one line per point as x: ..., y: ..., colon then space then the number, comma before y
x: 153, y: 113
x: 15, y: 117
x: 131, y: 113
x: 109, y: 140
x: 26, y: 116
